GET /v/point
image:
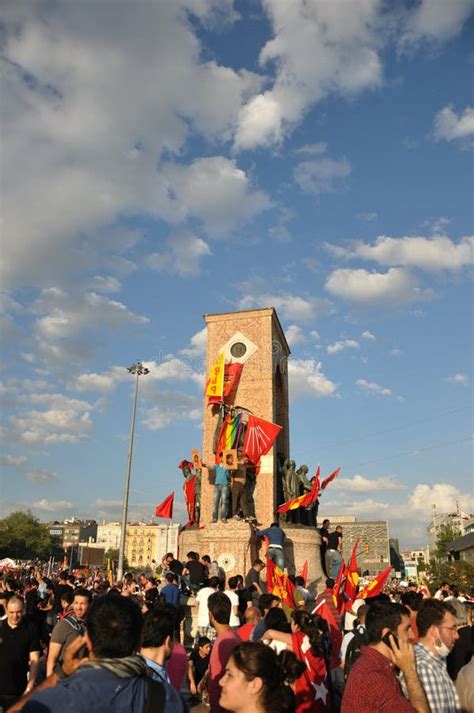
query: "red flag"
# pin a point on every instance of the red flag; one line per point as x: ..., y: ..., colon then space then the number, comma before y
x: 337, y: 589
x: 232, y: 374
x: 352, y: 577
x: 279, y: 584
x: 189, y: 490
x: 330, y: 478
x: 324, y: 610
x: 376, y: 585
x: 259, y: 437
x: 304, y: 572
x: 165, y: 509
x: 303, y: 500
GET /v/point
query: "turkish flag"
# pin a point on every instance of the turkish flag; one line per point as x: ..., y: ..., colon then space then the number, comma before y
x: 330, y: 478
x: 165, y: 509
x: 259, y: 437
x: 376, y: 585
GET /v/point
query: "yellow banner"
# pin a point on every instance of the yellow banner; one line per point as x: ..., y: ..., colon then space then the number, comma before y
x: 215, y: 386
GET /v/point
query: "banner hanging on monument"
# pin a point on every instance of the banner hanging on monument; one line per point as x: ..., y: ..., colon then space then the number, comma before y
x: 232, y: 374
x: 259, y: 437
x: 215, y: 385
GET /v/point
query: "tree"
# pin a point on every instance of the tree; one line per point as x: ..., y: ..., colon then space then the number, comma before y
x: 457, y: 573
x: 113, y: 556
x: 22, y: 536
x: 421, y: 564
x: 447, y: 533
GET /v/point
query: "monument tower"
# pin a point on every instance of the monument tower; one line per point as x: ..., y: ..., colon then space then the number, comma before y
x: 254, y: 339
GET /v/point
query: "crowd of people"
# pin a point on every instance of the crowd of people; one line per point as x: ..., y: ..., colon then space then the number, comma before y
x: 76, y: 643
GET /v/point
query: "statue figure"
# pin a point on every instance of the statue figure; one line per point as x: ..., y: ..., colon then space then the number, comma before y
x: 289, y: 480
x: 304, y: 484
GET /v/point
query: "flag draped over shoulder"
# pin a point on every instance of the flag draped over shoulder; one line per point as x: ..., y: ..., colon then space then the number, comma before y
x: 279, y: 584
x: 376, y: 585
x: 230, y: 433
x: 165, y: 509
x: 189, y: 490
x: 215, y: 385
x: 259, y: 437
x: 304, y: 500
x: 352, y: 577
x: 232, y: 374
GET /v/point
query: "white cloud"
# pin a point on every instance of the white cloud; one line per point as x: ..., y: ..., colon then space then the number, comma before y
x: 313, y: 149
x: 291, y: 307
x: 52, y: 505
x: 342, y: 344
x: 198, y: 344
x: 183, y: 255
x: 317, y: 48
x: 396, y: 285
x: 458, y: 379
x: 360, y: 508
x: 431, y: 20
x: 40, y: 476
x: 92, y: 135
x: 436, y: 253
x: 16, y: 461
x: 396, y: 352
x: 321, y: 175
x: 373, y: 388
x: 306, y: 378
x: 369, y: 217
x: 444, y: 495
x: 449, y: 126
x: 65, y: 421
x: 215, y: 191
x: 172, y: 369
x: 107, y: 504
x: 173, y: 406
x: 104, y: 383
x: 361, y: 484
x: 294, y: 335
x: 99, y: 283
x: 369, y: 336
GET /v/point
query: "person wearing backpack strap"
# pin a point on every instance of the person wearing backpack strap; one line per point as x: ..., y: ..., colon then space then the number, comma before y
x: 352, y: 642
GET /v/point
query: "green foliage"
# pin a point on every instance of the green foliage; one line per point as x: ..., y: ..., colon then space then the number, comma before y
x: 447, y: 533
x: 22, y: 536
x: 457, y: 573
x: 113, y: 556
x: 421, y: 565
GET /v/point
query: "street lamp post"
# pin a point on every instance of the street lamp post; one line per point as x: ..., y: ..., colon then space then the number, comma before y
x: 139, y: 370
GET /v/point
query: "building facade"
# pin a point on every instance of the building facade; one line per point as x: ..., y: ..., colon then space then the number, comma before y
x: 373, y: 550
x: 146, y: 544
x: 108, y: 535
x: 456, y: 520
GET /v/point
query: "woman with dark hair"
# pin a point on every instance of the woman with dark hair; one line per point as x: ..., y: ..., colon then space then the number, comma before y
x: 307, y: 641
x: 276, y: 620
x: 257, y: 680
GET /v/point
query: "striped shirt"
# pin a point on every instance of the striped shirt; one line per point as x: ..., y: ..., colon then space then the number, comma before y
x: 439, y: 689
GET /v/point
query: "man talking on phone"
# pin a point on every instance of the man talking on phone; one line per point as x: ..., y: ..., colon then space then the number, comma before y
x: 372, y: 684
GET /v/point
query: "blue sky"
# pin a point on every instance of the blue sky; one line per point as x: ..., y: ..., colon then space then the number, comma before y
x: 166, y: 160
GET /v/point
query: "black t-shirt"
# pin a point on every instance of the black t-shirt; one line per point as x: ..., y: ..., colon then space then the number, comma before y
x: 15, y: 647
x: 253, y: 577
x: 176, y: 567
x: 197, y: 572
x: 59, y: 590
x: 200, y: 664
x: 324, y: 532
x: 334, y: 539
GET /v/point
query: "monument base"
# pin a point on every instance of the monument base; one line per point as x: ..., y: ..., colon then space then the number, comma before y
x: 234, y: 546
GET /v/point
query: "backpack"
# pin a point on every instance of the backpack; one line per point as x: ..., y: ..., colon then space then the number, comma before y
x: 359, y: 639
x: 155, y: 700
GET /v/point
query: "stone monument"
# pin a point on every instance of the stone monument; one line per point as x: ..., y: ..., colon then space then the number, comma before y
x: 255, y: 339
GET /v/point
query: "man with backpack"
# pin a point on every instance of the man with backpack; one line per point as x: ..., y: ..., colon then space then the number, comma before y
x: 353, y: 641
x: 68, y: 628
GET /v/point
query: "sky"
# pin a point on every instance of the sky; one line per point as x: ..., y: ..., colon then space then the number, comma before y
x: 163, y: 160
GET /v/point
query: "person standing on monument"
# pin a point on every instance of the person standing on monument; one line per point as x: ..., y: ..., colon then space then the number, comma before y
x: 221, y: 489
x: 237, y: 488
x: 276, y: 539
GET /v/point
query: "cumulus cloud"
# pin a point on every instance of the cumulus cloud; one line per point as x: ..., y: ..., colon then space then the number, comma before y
x: 40, y: 476
x: 290, y: 306
x: 361, y: 484
x: 369, y: 336
x: 373, y: 388
x: 52, y: 505
x: 104, y: 383
x: 306, y: 378
x: 197, y: 345
x: 183, y: 255
x: 173, y: 406
x: 73, y: 88
x: 294, y: 335
x: 462, y: 379
x: 373, y: 509
x: 396, y: 285
x: 342, y: 344
x: 444, y: 495
x: 451, y: 127
x: 321, y: 175
x: 431, y: 20
x: 65, y: 421
x: 431, y: 254
x: 99, y: 283
x: 317, y: 48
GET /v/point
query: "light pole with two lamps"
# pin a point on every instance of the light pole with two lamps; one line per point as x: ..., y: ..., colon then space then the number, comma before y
x: 139, y: 370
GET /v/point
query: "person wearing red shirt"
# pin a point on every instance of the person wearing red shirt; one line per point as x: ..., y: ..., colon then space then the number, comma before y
x: 372, y: 684
x: 219, y: 606
x: 252, y: 616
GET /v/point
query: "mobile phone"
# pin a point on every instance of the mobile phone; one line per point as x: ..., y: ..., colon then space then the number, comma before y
x: 387, y: 639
